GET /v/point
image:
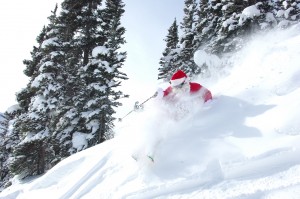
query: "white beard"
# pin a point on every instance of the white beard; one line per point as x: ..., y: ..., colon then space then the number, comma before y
x: 185, y: 89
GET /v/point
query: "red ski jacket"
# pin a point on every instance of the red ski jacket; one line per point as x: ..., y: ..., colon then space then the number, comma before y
x: 194, y: 88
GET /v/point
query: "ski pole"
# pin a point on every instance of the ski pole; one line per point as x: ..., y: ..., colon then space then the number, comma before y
x: 137, y: 106
x: 155, y: 94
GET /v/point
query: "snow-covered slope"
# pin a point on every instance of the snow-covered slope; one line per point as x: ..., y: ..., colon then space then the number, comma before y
x: 243, y: 144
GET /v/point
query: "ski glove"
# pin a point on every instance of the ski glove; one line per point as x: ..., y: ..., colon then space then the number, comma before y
x: 159, y: 93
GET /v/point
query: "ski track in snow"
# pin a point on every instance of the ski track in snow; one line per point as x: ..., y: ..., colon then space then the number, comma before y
x: 204, y: 179
x: 263, y: 166
x: 276, y: 167
x: 79, y: 188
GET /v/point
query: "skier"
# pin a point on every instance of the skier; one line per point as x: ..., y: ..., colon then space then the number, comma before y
x: 180, y: 85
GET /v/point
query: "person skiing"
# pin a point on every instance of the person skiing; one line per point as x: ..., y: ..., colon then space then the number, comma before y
x: 180, y: 84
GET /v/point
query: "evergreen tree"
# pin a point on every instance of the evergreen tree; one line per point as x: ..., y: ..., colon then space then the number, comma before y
x: 170, y: 54
x: 287, y: 12
x: 102, y: 75
x: 25, y: 95
x: 33, y: 125
x: 82, y: 20
x: 228, y: 32
x: 115, y: 58
x: 3, y: 124
x: 208, y: 24
x: 67, y: 112
x: 186, y: 60
x: 94, y: 63
x: 4, y: 171
x: 200, y: 23
x: 9, y: 139
x: 224, y: 27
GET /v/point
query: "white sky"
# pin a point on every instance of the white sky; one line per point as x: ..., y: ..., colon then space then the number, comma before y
x: 146, y: 23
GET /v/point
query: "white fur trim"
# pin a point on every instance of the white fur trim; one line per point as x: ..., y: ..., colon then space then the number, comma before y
x: 177, y: 82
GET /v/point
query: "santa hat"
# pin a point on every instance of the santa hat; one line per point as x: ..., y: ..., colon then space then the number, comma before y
x: 178, y: 78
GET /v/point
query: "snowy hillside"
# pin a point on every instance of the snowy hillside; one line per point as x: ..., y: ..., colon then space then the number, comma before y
x: 243, y: 144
